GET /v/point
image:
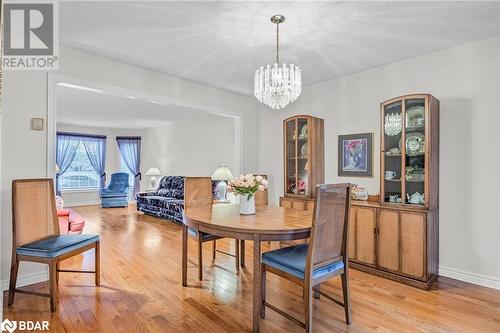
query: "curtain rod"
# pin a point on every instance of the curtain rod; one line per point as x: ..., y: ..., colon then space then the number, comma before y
x: 128, y: 137
x: 82, y: 135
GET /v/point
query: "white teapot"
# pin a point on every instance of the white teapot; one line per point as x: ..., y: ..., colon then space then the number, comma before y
x: 416, y: 198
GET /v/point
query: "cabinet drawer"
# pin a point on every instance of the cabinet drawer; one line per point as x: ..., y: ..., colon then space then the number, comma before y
x: 352, y: 234
x: 310, y: 205
x: 286, y: 203
x: 413, y: 237
x: 388, y: 240
x: 296, y: 204
x: 365, y: 235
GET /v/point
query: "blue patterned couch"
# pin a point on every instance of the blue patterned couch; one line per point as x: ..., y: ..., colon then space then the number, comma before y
x: 173, y: 195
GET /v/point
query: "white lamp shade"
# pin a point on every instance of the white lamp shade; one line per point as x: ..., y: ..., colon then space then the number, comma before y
x: 153, y: 172
x: 222, y: 173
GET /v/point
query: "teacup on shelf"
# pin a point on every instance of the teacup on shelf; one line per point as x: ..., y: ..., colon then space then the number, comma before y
x: 390, y: 175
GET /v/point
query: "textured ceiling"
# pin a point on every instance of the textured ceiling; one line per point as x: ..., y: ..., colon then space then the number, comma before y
x: 87, y: 108
x: 221, y: 43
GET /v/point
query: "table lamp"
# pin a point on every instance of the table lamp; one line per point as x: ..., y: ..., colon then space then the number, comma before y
x: 153, y: 172
x: 223, y: 174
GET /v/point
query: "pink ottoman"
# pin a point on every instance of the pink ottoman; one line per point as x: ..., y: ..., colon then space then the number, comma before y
x: 70, y: 222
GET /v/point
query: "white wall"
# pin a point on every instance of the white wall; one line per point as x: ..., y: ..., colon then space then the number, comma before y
x: 466, y: 80
x: 193, y: 147
x: 24, y: 95
x: 91, y: 197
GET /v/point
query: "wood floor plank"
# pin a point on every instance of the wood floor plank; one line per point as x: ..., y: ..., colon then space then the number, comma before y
x: 141, y: 291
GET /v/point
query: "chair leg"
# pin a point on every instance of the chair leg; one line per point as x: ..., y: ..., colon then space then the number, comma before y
x: 347, y: 302
x: 316, y: 289
x: 242, y: 253
x: 237, y: 255
x: 308, y: 293
x: 14, y: 268
x: 200, y: 258
x: 263, y: 293
x: 57, y: 272
x: 97, y: 260
x: 214, y: 248
x: 53, y: 285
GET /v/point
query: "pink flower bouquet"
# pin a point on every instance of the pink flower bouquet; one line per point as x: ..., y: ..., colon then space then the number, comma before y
x: 247, y: 185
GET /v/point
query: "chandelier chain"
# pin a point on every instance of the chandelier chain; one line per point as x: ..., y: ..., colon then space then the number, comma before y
x: 277, y: 43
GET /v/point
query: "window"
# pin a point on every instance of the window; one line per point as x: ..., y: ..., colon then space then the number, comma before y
x: 80, y: 174
x: 124, y: 168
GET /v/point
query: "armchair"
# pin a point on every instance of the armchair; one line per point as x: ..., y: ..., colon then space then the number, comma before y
x: 116, y: 194
x: 70, y: 222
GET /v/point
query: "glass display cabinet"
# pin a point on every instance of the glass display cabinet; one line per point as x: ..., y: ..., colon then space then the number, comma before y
x: 303, y: 159
x: 409, y: 147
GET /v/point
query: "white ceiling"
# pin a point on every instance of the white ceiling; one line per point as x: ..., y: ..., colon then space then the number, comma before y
x: 87, y: 108
x: 221, y: 43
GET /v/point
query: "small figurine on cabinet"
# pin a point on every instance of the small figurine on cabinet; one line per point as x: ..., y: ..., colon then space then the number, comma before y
x: 358, y: 192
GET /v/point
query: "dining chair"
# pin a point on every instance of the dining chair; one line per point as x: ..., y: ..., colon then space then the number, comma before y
x: 308, y: 265
x: 36, y: 236
x: 202, y: 237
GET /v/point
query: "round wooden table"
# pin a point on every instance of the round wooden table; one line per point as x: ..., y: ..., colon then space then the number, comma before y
x: 268, y: 224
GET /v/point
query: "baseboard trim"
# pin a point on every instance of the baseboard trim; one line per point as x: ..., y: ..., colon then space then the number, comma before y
x: 27, y: 279
x: 83, y: 203
x: 88, y: 203
x: 482, y: 280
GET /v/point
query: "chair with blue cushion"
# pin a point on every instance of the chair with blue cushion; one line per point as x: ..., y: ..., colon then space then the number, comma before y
x: 36, y: 237
x: 116, y: 194
x: 324, y: 257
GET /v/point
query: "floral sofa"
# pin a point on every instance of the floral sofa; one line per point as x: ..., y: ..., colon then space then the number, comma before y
x: 174, y: 194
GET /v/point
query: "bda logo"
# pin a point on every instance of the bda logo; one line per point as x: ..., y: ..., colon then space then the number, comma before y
x: 8, y: 325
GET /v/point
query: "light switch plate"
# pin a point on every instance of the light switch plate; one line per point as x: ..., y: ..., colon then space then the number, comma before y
x: 37, y: 124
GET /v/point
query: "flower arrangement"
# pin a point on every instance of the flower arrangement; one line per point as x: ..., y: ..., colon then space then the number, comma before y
x: 247, y: 185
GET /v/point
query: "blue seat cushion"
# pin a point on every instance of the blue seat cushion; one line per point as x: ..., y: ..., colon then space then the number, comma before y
x: 292, y: 260
x: 56, y: 246
x: 114, y: 194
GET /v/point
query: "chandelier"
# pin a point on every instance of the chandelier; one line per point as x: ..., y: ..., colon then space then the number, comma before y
x: 277, y: 85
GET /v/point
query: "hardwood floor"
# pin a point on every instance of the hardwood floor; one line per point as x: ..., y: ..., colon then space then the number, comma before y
x: 141, y: 291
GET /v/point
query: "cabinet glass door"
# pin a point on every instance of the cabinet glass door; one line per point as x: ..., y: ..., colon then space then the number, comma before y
x: 393, y: 137
x: 415, y: 151
x: 290, y: 153
x: 302, y: 157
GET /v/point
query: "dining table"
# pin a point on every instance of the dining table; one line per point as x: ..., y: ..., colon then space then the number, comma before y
x: 267, y: 224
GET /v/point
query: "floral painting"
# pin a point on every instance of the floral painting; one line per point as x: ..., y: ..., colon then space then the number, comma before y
x: 355, y: 155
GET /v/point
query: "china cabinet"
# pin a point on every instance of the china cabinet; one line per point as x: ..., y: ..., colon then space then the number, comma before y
x: 409, y: 151
x: 397, y: 237
x: 303, y: 160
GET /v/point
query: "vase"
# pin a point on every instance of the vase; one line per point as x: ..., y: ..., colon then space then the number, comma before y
x: 247, y: 206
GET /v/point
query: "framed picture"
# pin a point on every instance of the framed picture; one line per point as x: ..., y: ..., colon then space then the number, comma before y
x: 356, y: 155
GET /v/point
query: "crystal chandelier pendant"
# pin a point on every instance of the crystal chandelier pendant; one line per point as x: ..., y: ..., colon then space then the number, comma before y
x: 278, y: 85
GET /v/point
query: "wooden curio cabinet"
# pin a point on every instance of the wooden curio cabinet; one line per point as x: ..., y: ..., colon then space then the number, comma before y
x: 409, y: 147
x: 397, y: 237
x: 303, y: 160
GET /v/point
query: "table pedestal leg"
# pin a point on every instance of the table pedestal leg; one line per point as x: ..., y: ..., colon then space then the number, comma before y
x: 184, y: 255
x: 256, y: 284
x: 242, y: 253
